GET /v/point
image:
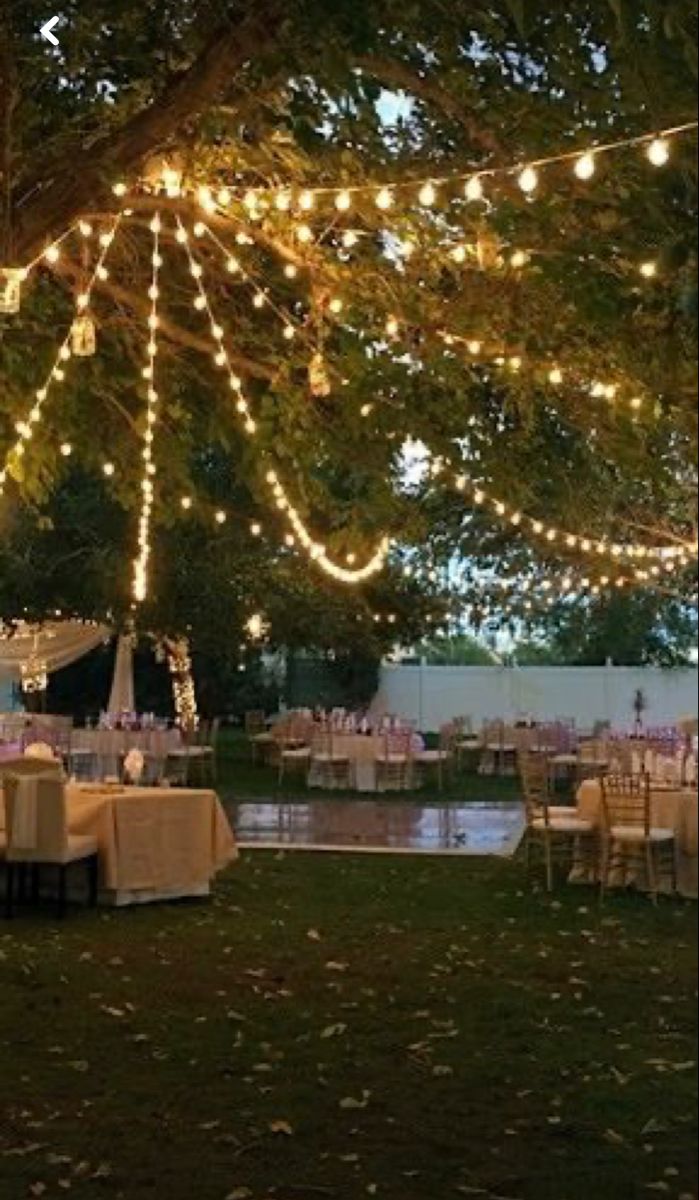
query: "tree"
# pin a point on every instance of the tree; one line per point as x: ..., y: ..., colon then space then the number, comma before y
x: 246, y: 100
x: 459, y: 651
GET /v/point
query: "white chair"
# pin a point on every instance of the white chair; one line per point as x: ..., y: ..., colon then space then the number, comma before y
x: 36, y: 822
x: 629, y: 836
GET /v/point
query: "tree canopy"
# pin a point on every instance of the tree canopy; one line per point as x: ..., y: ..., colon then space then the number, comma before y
x: 517, y: 338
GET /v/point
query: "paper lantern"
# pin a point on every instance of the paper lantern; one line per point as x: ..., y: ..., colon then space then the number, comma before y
x: 10, y: 290
x: 83, y: 337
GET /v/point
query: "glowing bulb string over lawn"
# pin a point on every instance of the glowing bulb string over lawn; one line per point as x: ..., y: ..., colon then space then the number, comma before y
x: 672, y: 557
x: 25, y: 428
x: 553, y: 371
x: 141, y: 563
x: 525, y: 173
x: 316, y: 551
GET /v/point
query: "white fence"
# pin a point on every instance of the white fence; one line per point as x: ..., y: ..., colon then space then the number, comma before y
x: 433, y: 695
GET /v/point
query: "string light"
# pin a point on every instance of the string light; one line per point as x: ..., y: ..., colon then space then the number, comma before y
x: 678, y: 556
x: 142, y: 561
x: 657, y: 146
x: 315, y: 550
x: 586, y: 166
x: 25, y: 428
x: 474, y: 190
x: 528, y: 180
x: 659, y: 152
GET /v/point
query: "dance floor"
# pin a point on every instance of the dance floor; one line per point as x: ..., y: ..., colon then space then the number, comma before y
x: 375, y: 827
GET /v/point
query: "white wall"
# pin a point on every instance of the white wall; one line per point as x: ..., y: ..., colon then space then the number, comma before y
x: 433, y: 695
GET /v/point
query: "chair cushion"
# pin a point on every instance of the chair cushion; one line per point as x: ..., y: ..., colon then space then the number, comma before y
x: 496, y: 748
x: 636, y: 833
x: 433, y: 756
x: 302, y: 752
x: 262, y: 739
x: 391, y: 760
x: 560, y: 810
x: 469, y: 743
x: 334, y: 760
x: 563, y: 825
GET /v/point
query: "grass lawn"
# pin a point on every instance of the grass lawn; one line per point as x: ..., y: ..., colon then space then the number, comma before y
x: 240, y: 779
x: 346, y: 1027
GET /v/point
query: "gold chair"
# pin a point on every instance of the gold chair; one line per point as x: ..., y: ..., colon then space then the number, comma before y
x: 259, y: 736
x: 441, y: 758
x: 394, y: 765
x: 293, y: 745
x: 37, y: 836
x: 330, y: 769
x: 629, y: 836
x: 557, y: 830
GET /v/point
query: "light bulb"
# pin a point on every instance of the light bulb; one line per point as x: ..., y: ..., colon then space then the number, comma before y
x: 66, y: 450
x: 199, y: 229
x: 659, y: 152
x: 459, y: 254
x: 385, y: 199
x: 289, y: 333
x: 556, y: 376
x: 52, y: 254
x: 224, y: 197
x: 120, y: 189
x: 291, y: 271
x: 519, y: 259
x: 428, y: 195
x: 221, y: 517
x: 529, y: 180
x: 343, y: 202
x: 649, y: 270
x: 392, y: 327
x: 336, y: 306
x: 307, y: 201
x: 304, y: 234
x: 108, y: 469
x: 585, y: 166
x: 474, y: 189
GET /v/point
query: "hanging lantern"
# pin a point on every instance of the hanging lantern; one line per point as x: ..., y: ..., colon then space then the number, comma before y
x: 318, y: 377
x: 34, y: 672
x: 83, y: 336
x: 11, y: 289
x: 489, y: 251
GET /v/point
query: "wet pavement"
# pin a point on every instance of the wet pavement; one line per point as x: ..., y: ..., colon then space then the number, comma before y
x: 380, y: 827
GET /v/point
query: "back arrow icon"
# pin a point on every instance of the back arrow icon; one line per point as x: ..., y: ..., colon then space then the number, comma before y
x: 45, y: 31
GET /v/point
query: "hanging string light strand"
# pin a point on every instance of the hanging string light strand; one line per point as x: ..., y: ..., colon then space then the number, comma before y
x: 25, y: 428
x: 141, y: 563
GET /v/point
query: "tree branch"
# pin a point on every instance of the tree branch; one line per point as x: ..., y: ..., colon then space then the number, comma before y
x: 88, y: 174
x: 403, y: 76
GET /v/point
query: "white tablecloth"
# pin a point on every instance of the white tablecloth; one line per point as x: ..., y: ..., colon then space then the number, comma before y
x: 109, y: 744
x: 677, y: 810
x: 362, y: 752
x: 154, y: 843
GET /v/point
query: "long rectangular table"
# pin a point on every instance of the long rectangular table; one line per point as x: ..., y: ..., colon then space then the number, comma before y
x: 154, y: 843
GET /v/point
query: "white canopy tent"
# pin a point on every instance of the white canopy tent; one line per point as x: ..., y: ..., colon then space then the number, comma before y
x: 122, y: 696
x: 55, y: 644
